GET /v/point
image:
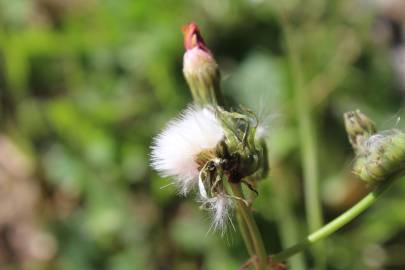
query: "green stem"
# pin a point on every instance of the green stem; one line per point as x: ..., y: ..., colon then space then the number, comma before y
x: 307, y: 140
x: 245, y: 234
x: 287, y: 222
x: 335, y: 224
x: 307, y: 134
x: 255, y: 235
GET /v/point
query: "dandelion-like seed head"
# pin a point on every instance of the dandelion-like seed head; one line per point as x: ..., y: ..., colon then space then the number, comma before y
x: 176, y: 149
x: 203, y: 148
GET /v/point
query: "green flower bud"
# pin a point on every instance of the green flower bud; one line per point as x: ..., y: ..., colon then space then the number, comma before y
x: 378, y: 155
x: 382, y: 156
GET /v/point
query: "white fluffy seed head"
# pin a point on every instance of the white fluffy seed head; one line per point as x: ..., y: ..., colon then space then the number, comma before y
x: 175, y: 149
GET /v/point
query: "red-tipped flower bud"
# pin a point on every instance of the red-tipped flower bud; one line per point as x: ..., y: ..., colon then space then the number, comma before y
x: 200, y: 68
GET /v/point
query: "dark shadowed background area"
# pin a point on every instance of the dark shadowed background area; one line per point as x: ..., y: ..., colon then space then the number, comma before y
x: 86, y: 84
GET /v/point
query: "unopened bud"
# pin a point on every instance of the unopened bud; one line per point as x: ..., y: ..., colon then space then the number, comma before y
x: 383, y: 156
x: 378, y: 155
x: 200, y: 68
x: 359, y: 128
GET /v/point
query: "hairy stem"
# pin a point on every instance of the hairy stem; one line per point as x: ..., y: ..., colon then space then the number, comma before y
x: 335, y: 224
x: 255, y: 235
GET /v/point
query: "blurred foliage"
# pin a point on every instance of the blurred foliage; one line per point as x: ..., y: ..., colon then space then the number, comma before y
x: 85, y: 85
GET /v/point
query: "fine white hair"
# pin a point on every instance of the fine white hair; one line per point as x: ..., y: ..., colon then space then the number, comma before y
x: 261, y: 131
x: 376, y: 141
x: 175, y: 149
x: 219, y: 207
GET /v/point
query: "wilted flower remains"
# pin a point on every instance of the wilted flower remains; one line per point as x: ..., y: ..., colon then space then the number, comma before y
x: 207, y: 147
x: 176, y: 149
x: 204, y: 148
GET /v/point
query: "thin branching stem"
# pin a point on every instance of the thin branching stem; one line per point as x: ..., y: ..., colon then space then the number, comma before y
x: 335, y: 224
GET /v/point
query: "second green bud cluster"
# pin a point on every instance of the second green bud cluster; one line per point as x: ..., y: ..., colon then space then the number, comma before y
x: 379, y: 155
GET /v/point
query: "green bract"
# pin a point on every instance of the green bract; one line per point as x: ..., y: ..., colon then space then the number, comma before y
x: 244, y: 154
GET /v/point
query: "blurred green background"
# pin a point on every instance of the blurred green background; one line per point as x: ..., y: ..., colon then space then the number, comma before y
x: 86, y: 84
